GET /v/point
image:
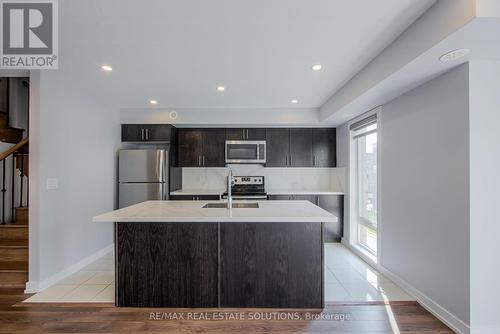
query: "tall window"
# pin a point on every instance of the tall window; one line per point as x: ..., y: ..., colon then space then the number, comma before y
x: 364, y: 137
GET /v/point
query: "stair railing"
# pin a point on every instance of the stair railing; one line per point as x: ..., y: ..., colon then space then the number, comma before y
x: 14, y: 151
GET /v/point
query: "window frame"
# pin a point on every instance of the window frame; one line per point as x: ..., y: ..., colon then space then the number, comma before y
x: 355, y: 219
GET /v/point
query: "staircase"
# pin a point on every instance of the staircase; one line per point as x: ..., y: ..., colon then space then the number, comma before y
x: 14, y: 232
x: 14, y: 163
x: 14, y: 255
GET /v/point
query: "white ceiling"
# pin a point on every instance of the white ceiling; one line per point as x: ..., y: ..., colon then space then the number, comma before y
x: 178, y: 51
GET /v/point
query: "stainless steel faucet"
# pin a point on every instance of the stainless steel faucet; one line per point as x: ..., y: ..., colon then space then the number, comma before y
x: 229, y: 195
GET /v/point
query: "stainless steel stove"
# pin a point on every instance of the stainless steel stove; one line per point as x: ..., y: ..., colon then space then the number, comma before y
x: 247, y: 188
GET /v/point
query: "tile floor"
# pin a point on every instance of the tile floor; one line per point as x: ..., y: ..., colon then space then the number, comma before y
x: 93, y: 284
x: 347, y: 279
x: 350, y: 279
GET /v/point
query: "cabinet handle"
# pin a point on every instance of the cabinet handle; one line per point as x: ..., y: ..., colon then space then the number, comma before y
x: 142, y: 134
x: 314, y: 160
x: 203, y: 160
x: 243, y: 133
x: 147, y: 134
x: 290, y: 160
x: 247, y: 133
x: 199, y: 160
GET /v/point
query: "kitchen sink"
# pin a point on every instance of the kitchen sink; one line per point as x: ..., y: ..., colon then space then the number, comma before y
x: 251, y: 205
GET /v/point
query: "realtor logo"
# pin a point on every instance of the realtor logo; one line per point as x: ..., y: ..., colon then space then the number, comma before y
x: 29, y: 34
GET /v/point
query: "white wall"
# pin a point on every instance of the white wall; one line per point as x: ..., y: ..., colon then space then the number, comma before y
x: 425, y: 190
x: 484, y: 196
x: 75, y: 139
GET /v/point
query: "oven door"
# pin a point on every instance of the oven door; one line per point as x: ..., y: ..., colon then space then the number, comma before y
x: 245, y: 152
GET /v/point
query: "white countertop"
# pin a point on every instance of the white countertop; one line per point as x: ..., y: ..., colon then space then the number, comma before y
x: 191, y: 211
x: 194, y: 192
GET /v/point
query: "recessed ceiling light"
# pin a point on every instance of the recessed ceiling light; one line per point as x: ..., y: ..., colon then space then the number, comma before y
x: 221, y: 88
x: 316, y: 67
x: 454, y: 55
x: 106, y: 68
x: 294, y: 101
x: 153, y: 101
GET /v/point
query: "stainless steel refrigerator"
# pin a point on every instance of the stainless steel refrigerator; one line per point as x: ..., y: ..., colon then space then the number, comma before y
x: 142, y: 175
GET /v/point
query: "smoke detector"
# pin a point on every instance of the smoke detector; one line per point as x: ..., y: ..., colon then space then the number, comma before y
x: 454, y: 55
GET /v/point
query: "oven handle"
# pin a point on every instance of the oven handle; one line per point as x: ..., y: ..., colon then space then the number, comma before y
x: 246, y: 197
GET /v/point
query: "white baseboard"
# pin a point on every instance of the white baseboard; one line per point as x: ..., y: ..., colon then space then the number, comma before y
x: 37, y: 286
x: 429, y: 304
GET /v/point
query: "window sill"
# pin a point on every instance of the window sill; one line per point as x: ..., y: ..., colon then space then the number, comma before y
x: 364, y: 254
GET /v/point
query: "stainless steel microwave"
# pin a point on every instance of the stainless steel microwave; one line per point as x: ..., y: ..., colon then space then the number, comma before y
x: 245, y: 151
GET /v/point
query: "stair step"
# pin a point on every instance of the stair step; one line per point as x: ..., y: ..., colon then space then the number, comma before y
x: 13, y: 279
x: 13, y: 254
x: 13, y: 231
x: 14, y: 265
x: 21, y: 215
x: 11, y: 135
x: 13, y: 243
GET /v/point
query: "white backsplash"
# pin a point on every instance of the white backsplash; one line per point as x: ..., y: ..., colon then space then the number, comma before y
x: 277, y: 179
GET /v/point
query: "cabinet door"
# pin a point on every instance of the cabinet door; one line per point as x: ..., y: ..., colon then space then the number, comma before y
x: 311, y: 198
x: 277, y: 147
x: 279, y: 197
x: 190, y: 147
x: 324, y: 147
x: 256, y: 134
x: 133, y: 132
x: 335, y: 205
x: 235, y: 134
x: 167, y: 265
x: 158, y: 132
x: 301, y: 148
x: 246, y: 134
x: 271, y: 265
x: 213, y: 147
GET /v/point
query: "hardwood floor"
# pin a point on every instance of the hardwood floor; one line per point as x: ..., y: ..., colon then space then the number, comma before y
x: 16, y: 317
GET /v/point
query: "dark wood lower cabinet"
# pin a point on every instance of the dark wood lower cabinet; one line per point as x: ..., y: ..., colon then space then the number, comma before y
x: 271, y: 265
x: 167, y: 264
x: 219, y: 265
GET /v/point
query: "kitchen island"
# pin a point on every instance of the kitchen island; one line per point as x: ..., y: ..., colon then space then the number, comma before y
x: 184, y: 254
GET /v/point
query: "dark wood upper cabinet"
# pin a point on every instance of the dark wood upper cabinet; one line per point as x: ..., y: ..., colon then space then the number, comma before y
x: 256, y: 134
x: 148, y: 132
x: 190, y: 147
x: 132, y: 132
x: 301, y: 146
x: 277, y: 147
x: 245, y: 134
x: 158, y: 132
x: 201, y: 147
x: 213, y: 147
x: 235, y: 134
x: 198, y: 147
x: 324, y: 147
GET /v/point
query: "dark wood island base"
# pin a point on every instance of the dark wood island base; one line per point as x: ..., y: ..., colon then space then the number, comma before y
x: 233, y: 264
